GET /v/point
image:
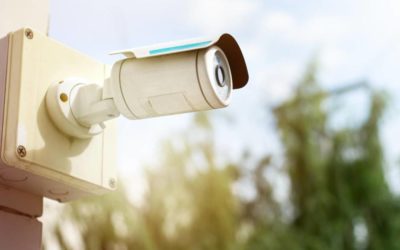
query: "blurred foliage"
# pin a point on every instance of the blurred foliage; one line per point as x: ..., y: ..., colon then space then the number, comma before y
x: 338, y: 199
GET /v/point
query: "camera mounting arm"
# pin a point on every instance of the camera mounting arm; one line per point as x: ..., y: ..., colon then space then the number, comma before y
x: 79, y: 108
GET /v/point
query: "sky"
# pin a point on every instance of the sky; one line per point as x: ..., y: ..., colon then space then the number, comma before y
x: 352, y: 41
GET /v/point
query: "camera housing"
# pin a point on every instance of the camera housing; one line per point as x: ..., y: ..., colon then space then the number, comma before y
x: 171, y: 84
x: 184, y: 76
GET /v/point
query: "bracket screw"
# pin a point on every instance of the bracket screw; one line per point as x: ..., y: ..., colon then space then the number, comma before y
x: 21, y: 151
x: 29, y: 33
x: 112, y: 183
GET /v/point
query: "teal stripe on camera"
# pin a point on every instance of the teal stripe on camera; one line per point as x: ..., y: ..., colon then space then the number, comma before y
x: 178, y: 48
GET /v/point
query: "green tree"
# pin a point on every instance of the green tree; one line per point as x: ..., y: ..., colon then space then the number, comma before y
x: 339, y: 195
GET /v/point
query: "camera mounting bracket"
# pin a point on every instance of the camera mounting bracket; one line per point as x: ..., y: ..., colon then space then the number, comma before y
x: 78, y: 108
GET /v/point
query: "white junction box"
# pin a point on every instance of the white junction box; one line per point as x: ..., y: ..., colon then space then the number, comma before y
x: 35, y: 155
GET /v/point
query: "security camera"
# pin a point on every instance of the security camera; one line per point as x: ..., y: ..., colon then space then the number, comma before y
x: 57, y: 103
x: 164, y: 79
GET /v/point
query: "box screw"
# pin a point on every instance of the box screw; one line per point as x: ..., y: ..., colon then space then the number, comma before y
x: 29, y: 33
x: 112, y: 183
x: 21, y: 151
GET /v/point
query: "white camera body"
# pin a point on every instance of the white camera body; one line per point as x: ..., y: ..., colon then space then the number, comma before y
x: 178, y: 77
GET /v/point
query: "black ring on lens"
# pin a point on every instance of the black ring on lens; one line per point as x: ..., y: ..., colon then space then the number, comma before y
x: 220, y: 75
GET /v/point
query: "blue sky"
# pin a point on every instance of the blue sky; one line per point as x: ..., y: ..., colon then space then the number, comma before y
x: 352, y: 40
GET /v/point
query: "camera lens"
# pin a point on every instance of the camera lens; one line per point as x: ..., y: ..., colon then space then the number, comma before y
x: 217, y: 85
x: 220, y: 75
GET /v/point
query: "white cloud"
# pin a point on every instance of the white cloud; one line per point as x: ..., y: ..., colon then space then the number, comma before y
x: 332, y: 58
x: 278, y: 79
x: 222, y: 16
x: 279, y: 22
x: 313, y: 30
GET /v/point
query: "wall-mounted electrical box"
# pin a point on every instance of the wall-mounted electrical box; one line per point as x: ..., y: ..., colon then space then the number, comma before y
x: 35, y: 155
